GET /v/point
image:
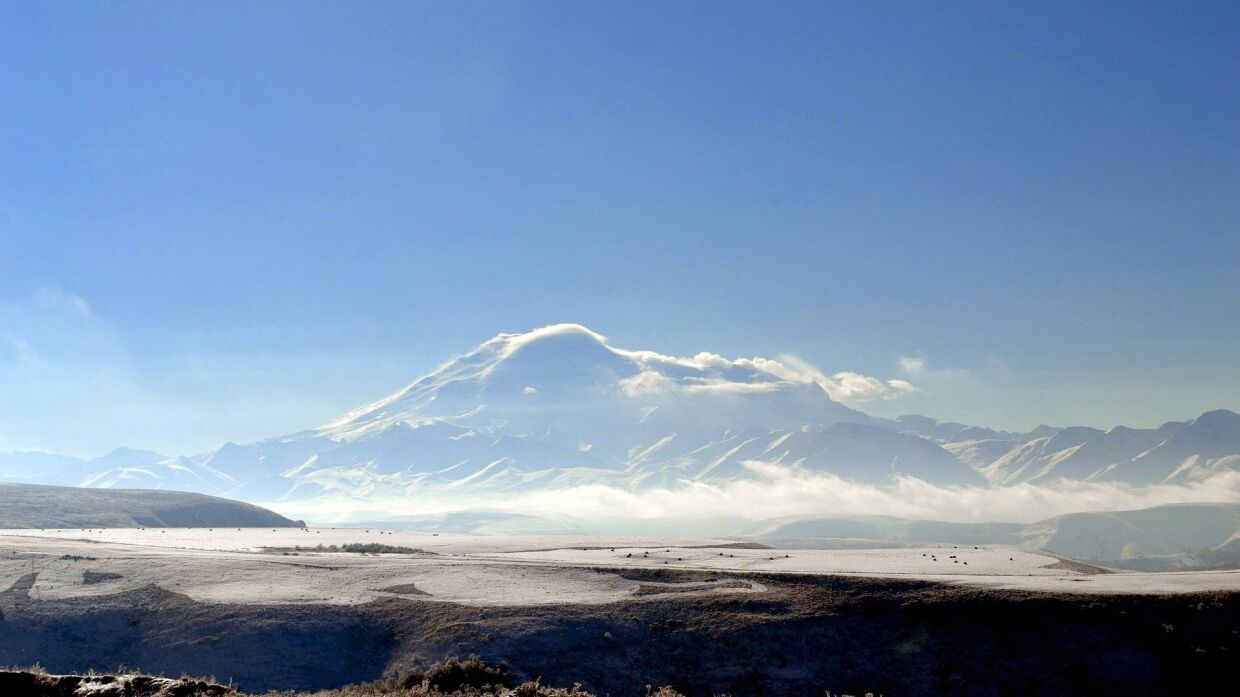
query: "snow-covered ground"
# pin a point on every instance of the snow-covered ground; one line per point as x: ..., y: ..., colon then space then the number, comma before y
x: 231, y: 566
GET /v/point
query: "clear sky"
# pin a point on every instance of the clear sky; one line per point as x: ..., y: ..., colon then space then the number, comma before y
x: 226, y: 221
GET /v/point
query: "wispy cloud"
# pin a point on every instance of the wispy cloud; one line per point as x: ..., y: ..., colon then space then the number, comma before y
x: 57, y: 300
x: 903, y: 386
x: 845, y: 385
x: 918, y: 367
x: 70, y: 383
x: 646, y: 382
x: 913, y: 365
x: 61, y: 368
x: 17, y: 349
x: 48, y: 324
x: 710, y: 372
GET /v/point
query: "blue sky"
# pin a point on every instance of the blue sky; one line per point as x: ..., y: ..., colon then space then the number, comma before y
x: 225, y: 221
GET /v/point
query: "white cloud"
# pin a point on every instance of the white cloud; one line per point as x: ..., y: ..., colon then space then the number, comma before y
x: 778, y: 491
x: 708, y: 385
x: 913, y: 365
x: 646, y: 382
x: 902, y: 386
x: 843, y: 386
x: 528, y: 389
x: 847, y: 386
x: 919, y: 367
x: 509, y: 343
x: 710, y: 372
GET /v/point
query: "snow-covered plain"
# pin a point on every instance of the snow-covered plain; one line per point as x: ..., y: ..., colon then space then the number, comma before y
x: 240, y: 566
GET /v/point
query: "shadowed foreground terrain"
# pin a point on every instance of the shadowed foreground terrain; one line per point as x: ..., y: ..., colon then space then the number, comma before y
x: 37, y: 683
x: 468, y: 678
x: 804, y: 635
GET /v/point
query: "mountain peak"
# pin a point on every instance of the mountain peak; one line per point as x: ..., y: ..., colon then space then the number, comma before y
x: 567, y: 356
x: 128, y: 457
x: 1218, y: 420
x: 551, y: 334
x: 525, y: 378
x: 569, y: 343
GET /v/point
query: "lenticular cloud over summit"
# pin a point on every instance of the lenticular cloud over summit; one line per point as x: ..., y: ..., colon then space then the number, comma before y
x: 707, y: 371
x: 577, y: 359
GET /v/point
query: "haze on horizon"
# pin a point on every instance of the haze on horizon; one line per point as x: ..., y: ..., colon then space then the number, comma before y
x: 1026, y: 215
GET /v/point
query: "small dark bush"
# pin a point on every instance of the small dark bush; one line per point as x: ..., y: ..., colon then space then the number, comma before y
x: 92, y: 577
x: 454, y: 674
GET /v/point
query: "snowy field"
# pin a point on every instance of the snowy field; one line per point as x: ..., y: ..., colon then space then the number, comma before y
x: 257, y: 566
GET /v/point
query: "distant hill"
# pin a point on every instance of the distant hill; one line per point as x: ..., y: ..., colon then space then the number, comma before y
x: 36, y: 506
x: 889, y: 529
x: 1181, y: 536
x: 1163, y: 538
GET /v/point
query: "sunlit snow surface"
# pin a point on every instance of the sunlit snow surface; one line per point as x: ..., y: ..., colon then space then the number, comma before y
x: 231, y: 566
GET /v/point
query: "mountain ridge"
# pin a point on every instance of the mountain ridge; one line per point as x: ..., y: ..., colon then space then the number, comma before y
x: 559, y: 406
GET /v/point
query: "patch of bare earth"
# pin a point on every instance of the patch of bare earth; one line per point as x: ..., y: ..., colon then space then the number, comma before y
x: 1079, y: 567
x: 666, y: 588
x: 404, y: 589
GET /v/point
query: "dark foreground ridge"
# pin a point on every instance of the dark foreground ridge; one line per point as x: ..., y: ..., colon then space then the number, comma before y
x: 804, y: 636
x: 58, y: 507
x: 451, y: 678
x: 37, y: 683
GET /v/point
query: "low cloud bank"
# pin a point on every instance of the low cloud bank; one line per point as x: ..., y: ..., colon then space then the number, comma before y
x: 775, y: 491
x: 779, y: 492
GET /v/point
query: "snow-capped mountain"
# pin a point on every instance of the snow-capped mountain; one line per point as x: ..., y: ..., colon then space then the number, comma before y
x: 559, y: 406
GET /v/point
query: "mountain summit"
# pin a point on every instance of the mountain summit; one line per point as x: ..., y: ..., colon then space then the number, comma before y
x: 568, y: 373
x: 560, y: 406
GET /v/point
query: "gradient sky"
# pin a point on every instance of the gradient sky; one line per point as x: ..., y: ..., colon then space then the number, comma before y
x: 226, y: 221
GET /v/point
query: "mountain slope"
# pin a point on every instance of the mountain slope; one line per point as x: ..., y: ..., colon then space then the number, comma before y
x: 1181, y: 529
x: 1175, y: 452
